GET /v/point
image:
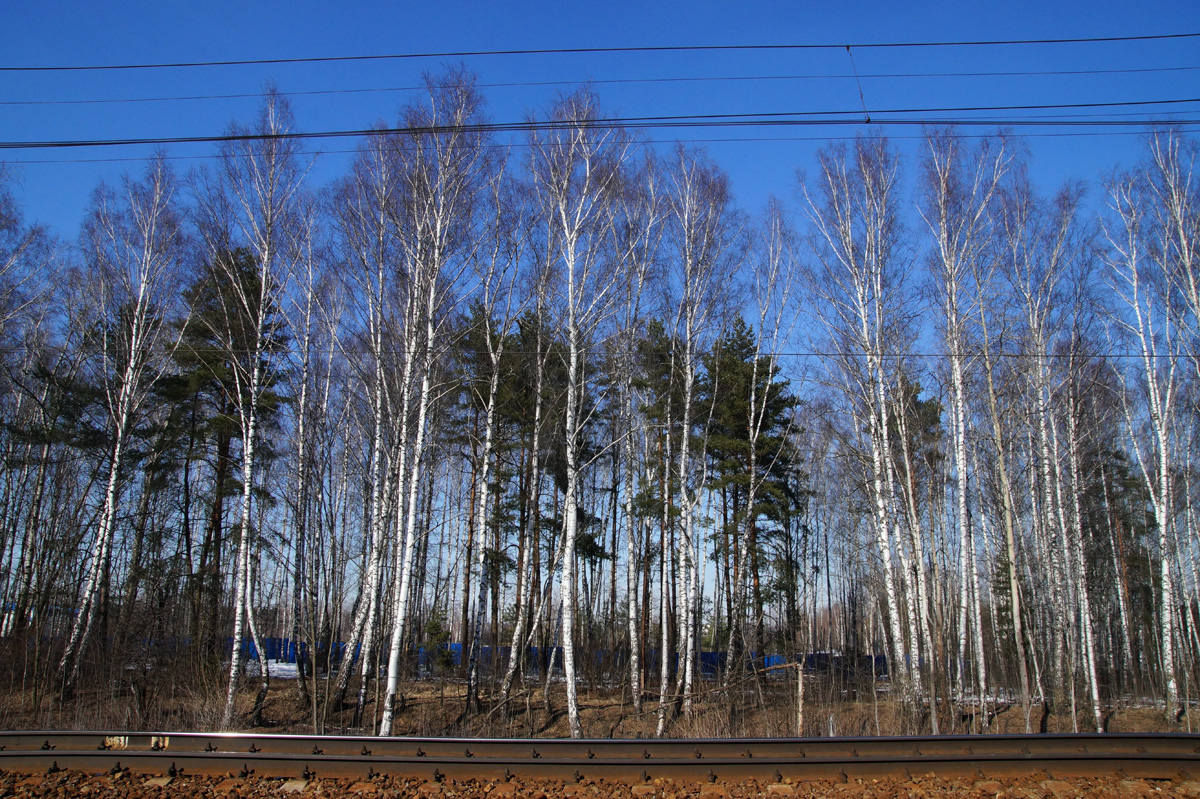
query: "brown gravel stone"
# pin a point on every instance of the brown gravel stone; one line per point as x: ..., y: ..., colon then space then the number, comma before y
x: 72, y: 784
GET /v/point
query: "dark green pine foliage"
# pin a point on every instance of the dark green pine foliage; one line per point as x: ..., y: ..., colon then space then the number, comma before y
x: 660, y: 379
x: 919, y: 454
x: 1121, y: 539
x: 217, y: 338
x: 516, y: 405
x: 725, y: 387
x: 726, y: 384
x: 472, y: 372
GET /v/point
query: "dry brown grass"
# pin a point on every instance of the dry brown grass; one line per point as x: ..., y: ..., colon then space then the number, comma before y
x: 765, y: 709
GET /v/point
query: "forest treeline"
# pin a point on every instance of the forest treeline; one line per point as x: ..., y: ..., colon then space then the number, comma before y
x: 563, y: 392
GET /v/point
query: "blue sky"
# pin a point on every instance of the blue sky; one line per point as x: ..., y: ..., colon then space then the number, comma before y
x: 77, y: 33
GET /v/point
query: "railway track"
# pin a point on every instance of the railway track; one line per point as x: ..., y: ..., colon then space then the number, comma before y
x: 1146, y: 756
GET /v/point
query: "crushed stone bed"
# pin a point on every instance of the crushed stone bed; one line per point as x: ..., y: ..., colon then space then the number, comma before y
x: 133, y: 786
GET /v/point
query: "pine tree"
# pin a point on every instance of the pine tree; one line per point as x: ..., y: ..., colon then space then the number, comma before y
x: 757, y: 495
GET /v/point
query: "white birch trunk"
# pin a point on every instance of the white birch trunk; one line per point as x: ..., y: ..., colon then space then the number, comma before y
x: 365, y: 226
x: 631, y: 572
x: 664, y: 579
x: 497, y: 287
x: 256, y: 191
x: 574, y: 390
x: 687, y: 545
x: 575, y: 172
x: 960, y: 188
x: 1080, y: 564
x: 132, y: 247
x: 918, y: 604
x: 854, y: 299
x: 403, y: 581
x: 516, y: 654
x: 81, y: 630
x: 242, y: 564
x: 480, y: 524
x: 1153, y: 331
x: 1009, y: 519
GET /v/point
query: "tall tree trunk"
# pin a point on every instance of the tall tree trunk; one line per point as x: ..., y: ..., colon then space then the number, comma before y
x: 241, y: 602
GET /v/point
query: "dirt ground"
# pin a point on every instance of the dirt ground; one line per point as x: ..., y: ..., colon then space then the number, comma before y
x: 436, y: 709
x: 758, y: 709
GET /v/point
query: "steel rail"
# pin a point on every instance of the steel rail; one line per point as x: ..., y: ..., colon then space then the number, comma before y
x: 1148, y: 756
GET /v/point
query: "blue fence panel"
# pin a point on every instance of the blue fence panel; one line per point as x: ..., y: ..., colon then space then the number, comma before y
x: 711, y: 663
x: 285, y: 650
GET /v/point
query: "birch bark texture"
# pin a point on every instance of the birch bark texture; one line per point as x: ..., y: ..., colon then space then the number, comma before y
x: 248, y: 202
x: 495, y: 272
x: 576, y: 167
x: 702, y: 230
x: 1140, y: 261
x: 442, y: 171
x: 959, y: 192
x: 855, y: 286
x: 366, y: 240
x: 133, y: 244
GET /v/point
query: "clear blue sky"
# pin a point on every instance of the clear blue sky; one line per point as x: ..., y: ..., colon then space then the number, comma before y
x: 79, y: 33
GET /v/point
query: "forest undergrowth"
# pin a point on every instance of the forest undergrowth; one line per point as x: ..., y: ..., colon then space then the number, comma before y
x: 183, y: 700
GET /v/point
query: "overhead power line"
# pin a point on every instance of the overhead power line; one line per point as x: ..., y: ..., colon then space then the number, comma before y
x: 609, y: 82
x: 690, y: 140
x: 513, y: 84
x: 697, y: 48
x: 773, y: 118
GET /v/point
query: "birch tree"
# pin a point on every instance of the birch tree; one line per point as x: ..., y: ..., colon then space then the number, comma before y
x: 702, y: 230
x: 132, y: 241
x: 1139, y: 262
x: 575, y: 166
x: 306, y: 311
x: 442, y: 164
x: 1076, y: 357
x: 368, y: 240
x: 638, y: 235
x: 991, y: 323
x: 959, y: 188
x: 531, y: 327
x: 497, y: 305
x: 249, y: 201
x: 856, y: 285
x: 1041, y: 246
